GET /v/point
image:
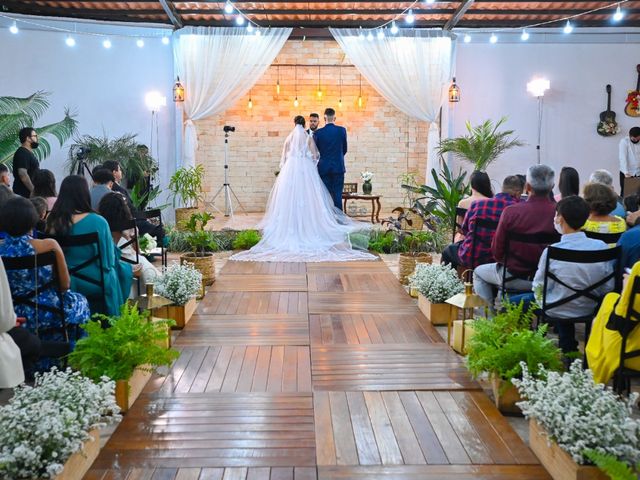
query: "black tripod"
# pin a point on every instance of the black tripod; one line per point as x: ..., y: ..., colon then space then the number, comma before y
x: 226, y: 189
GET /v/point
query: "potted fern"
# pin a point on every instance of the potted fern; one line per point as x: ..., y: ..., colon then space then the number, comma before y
x: 202, y: 246
x: 180, y: 284
x: 246, y: 239
x: 186, y: 188
x: 435, y: 284
x: 501, y: 343
x: 128, y: 351
x: 482, y: 145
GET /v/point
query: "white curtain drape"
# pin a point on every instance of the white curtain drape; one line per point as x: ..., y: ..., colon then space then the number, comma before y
x: 217, y: 66
x: 411, y: 70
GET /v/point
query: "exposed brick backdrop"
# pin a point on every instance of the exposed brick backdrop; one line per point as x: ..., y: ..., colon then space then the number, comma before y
x: 381, y: 138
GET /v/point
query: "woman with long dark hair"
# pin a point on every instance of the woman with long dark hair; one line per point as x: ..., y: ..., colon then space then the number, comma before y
x: 44, y: 185
x: 569, y: 183
x: 72, y: 215
x: 480, y: 189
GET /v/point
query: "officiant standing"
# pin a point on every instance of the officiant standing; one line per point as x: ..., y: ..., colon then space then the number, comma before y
x: 331, y: 141
x: 629, y: 157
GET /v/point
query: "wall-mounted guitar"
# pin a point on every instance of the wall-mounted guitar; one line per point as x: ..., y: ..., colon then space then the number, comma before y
x: 633, y: 99
x: 608, y: 125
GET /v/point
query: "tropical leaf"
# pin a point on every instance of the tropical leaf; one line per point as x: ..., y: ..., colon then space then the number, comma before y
x: 33, y: 106
x: 62, y: 131
x: 483, y: 144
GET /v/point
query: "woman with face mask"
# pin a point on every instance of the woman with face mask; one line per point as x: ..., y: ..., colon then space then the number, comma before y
x: 25, y: 163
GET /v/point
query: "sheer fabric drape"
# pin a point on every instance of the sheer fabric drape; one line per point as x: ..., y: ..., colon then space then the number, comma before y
x: 217, y: 66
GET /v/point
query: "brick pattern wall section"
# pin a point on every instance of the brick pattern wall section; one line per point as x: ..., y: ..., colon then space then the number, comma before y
x: 381, y: 138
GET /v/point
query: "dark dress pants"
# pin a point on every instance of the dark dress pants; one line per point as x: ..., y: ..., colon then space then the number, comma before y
x: 335, y: 184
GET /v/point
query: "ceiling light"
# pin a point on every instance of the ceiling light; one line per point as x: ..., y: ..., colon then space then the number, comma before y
x: 380, y: 34
x: 431, y: 1
x: 14, y: 28
x: 361, y: 35
x: 493, y: 38
x: 467, y: 38
x: 370, y: 37
x: 228, y: 8
x: 106, y: 43
x: 394, y: 28
x: 410, y: 18
x: 240, y: 20
x: 619, y: 15
x: 165, y: 40
x: 249, y: 28
x: 70, y: 41
x: 525, y: 36
x: 568, y: 28
x: 140, y: 43
x: 258, y: 32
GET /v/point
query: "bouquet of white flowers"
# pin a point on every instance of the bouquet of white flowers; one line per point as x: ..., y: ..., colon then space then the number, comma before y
x: 436, y: 282
x: 179, y: 283
x: 366, y: 176
x: 147, y: 243
x: 43, y: 425
x: 580, y: 415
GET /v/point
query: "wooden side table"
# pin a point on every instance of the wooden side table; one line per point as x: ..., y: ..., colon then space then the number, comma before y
x: 375, y: 204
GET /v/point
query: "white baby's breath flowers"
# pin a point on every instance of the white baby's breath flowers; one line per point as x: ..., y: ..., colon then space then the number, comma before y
x: 366, y: 176
x: 179, y: 283
x: 43, y: 425
x: 579, y: 414
x: 436, y: 282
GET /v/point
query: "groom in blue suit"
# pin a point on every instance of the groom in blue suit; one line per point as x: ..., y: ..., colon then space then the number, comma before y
x: 331, y: 141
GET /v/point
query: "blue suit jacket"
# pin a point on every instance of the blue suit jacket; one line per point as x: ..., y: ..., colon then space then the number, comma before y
x: 332, y: 145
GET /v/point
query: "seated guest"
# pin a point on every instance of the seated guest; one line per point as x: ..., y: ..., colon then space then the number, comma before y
x: 113, y: 207
x: 72, y: 215
x: 572, y: 213
x: 535, y: 216
x: 480, y: 189
x: 568, y: 183
x: 5, y: 176
x: 604, y: 177
x: 602, y: 201
x: 102, y: 182
x: 18, y: 218
x: 11, y: 371
x: 5, y: 194
x: 605, y: 342
x: 460, y: 253
x: 44, y: 185
x: 40, y: 204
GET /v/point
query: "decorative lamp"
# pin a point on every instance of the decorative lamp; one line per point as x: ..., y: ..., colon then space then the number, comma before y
x: 537, y: 87
x: 454, y: 92
x: 464, y: 302
x: 178, y: 91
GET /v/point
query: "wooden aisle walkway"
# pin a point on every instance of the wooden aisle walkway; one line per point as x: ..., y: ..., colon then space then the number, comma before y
x: 316, y: 371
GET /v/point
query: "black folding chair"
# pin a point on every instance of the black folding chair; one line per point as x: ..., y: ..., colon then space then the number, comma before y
x: 155, y: 216
x: 626, y: 326
x: 607, y: 255
x: 481, y: 224
x: 135, y: 246
x: 608, y: 238
x: 531, y: 264
x: 460, y: 212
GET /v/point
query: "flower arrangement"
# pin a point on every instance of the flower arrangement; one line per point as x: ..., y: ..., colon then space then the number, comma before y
x: 436, y: 282
x: 608, y: 129
x: 633, y: 98
x: 179, y: 283
x: 366, y: 176
x: 147, y: 243
x: 43, y: 425
x: 580, y: 415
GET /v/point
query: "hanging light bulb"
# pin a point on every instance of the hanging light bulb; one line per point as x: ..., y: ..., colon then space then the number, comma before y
x: 319, y: 92
x: 249, y: 27
x: 380, y: 34
x: 228, y: 8
x: 340, y: 104
x: 467, y: 38
x: 493, y: 38
x: 394, y: 28
x: 14, y: 28
x: 360, y: 101
x: 140, y: 43
x: 70, y: 41
x: 410, y: 18
x: 258, y: 32
x: 296, y: 103
x: 360, y: 94
x: 178, y: 91
x: 568, y: 28
x: 619, y: 15
x: 370, y: 37
x: 340, y: 87
x: 525, y: 36
x: 239, y: 20
x: 278, y: 81
x: 250, y: 104
x: 454, y: 92
x: 106, y: 43
x: 361, y: 34
x: 165, y: 40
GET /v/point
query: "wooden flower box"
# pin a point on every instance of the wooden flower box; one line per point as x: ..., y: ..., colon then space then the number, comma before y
x: 436, y: 313
x: 79, y: 463
x: 180, y: 313
x: 559, y: 463
x: 456, y: 335
x: 505, y: 398
x: 127, y: 391
x: 167, y: 342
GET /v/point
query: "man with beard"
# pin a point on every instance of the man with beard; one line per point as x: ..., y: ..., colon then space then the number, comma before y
x: 629, y: 156
x: 25, y: 163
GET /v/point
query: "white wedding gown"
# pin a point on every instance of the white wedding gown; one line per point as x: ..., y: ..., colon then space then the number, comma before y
x: 301, y: 223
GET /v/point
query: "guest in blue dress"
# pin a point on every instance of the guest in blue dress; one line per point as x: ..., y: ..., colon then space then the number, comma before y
x: 72, y: 215
x: 18, y: 217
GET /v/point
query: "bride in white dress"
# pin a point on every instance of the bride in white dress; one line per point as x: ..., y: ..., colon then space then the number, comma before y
x: 301, y: 223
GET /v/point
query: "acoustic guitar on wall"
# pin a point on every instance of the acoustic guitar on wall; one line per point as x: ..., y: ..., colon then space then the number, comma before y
x: 608, y: 125
x: 633, y: 99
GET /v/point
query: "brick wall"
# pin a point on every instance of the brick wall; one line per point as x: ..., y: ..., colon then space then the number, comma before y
x: 381, y: 138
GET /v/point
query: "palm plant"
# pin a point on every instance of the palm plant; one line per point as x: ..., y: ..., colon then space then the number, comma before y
x: 483, y: 144
x: 18, y: 112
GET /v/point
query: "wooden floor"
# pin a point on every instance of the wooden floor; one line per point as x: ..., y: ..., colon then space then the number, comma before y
x: 317, y: 371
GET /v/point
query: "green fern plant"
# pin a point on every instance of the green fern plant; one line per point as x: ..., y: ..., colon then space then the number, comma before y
x: 246, y: 239
x: 18, y: 112
x: 614, y: 468
x: 483, y: 144
x: 131, y: 340
x: 186, y: 186
x: 199, y: 239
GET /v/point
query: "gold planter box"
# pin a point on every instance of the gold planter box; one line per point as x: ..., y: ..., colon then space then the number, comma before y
x: 127, y: 391
x: 505, y: 398
x: 180, y: 313
x: 559, y: 463
x: 79, y: 463
x: 456, y: 335
x: 436, y: 313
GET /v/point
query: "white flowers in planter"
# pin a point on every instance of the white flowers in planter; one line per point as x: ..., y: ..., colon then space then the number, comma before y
x: 366, y: 176
x: 147, y: 243
x: 436, y: 282
x: 179, y: 283
x: 581, y: 415
x: 44, y: 425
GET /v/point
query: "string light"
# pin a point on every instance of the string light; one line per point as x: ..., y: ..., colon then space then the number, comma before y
x: 410, y: 18
x: 568, y: 28
x: 278, y: 82
x: 467, y: 38
x: 493, y: 38
x: 249, y: 27
x: 360, y: 94
x: 250, y: 105
x: 140, y: 43
x: 431, y: 1
x: 14, y: 28
x: 70, y: 41
x: 619, y: 15
x: 319, y: 92
x: 394, y: 28
x: 239, y: 20
x: 295, y: 102
x: 380, y: 34
x: 525, y: 36
x: 340, y: 91
x: 106, y: 43
x: 165, y: 40
x: 228, y: 8
x: 361, y: 35
x: 370, y: 37
x: 258, y: 32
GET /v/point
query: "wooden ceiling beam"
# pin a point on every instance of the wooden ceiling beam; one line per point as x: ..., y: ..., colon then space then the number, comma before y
x: 458, y: 14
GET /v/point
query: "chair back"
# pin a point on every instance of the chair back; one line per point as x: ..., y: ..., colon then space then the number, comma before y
x: 460, y: 212
x: 155, y: 215
x: 132, y: 242
x: 481, y: 224
x: 78, y: 271
x: 608, y: 238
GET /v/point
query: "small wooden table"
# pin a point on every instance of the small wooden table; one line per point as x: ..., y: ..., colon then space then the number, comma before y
x: 375, y: 204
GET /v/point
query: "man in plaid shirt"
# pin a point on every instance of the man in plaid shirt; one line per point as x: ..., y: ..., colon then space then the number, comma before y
x: 463, y: 253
